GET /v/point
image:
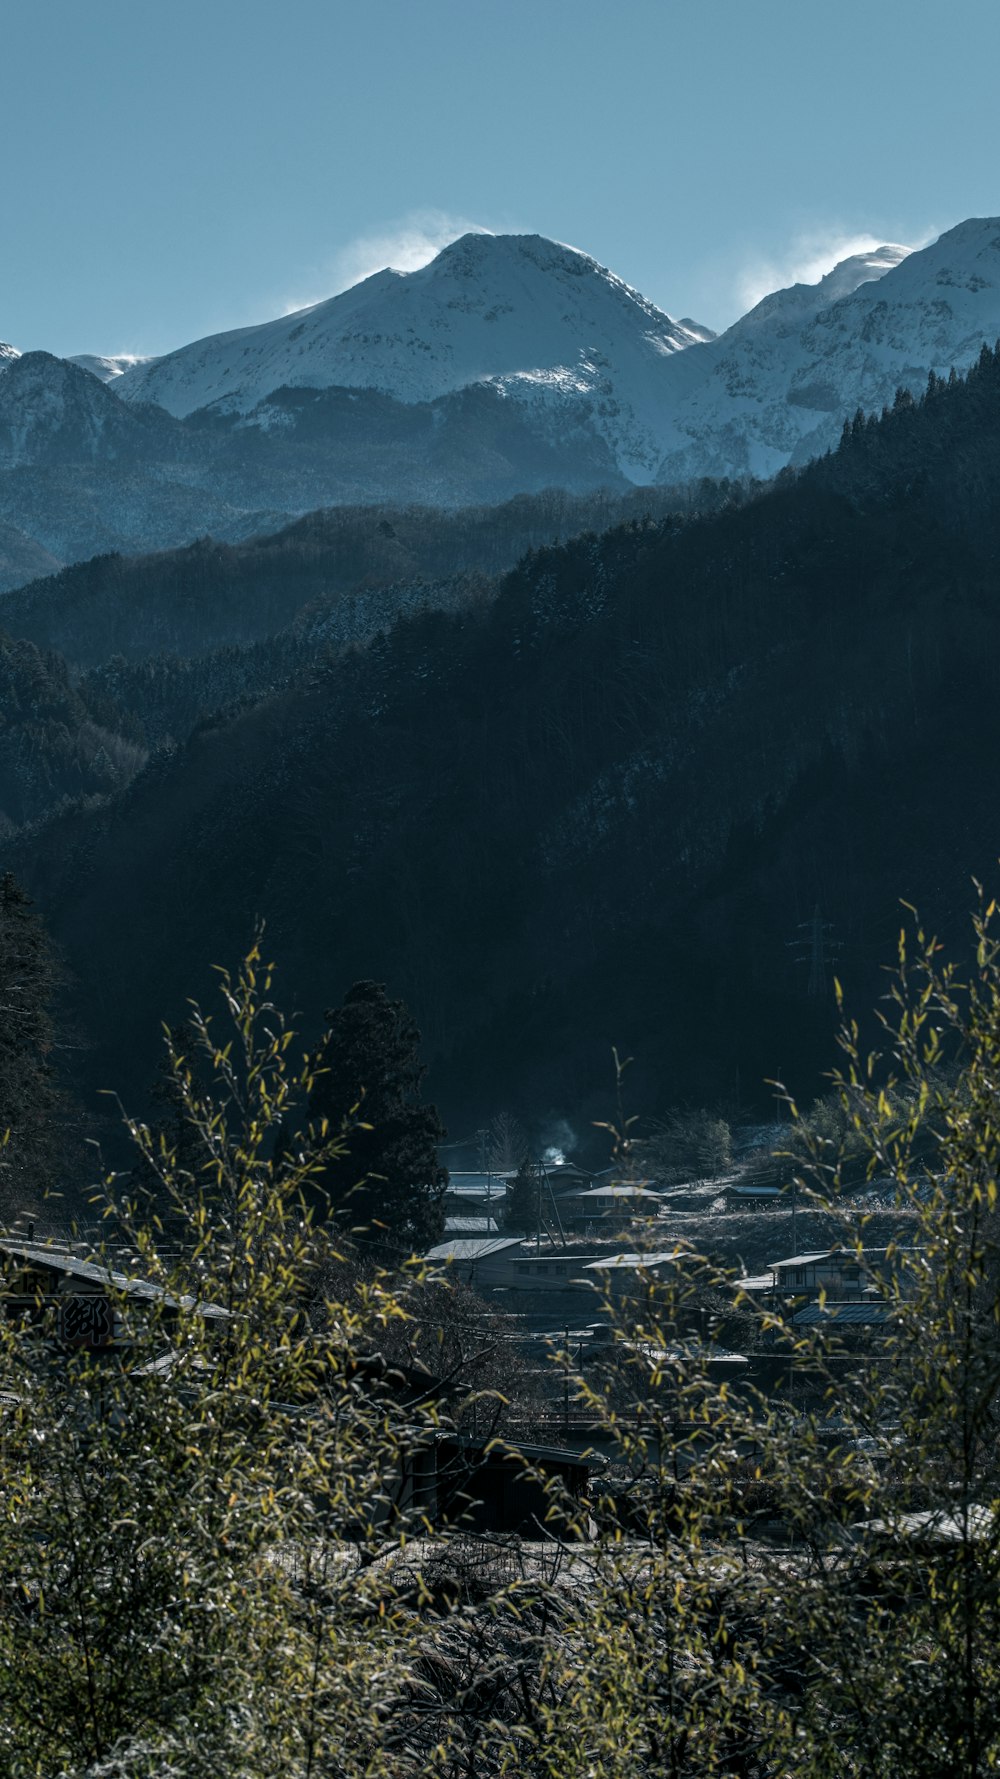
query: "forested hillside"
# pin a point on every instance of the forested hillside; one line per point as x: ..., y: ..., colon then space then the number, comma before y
x: 598, y: 808
x: 210, y: 594
x: 51, y: 748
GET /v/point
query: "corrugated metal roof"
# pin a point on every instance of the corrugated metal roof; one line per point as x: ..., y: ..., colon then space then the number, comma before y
x: 934, y: 1526
x: 856, y: 1314
x: 618, y: 1192
x: 813, y: 1259
x: 610, y: 1262
x: 73, y: 1266
x: 472, y: 1248
x: 477, y: 1185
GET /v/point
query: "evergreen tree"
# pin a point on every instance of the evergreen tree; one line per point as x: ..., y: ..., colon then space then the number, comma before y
x: 520, y: 1210
x: 367, y: 1077
x: 28, y: 1096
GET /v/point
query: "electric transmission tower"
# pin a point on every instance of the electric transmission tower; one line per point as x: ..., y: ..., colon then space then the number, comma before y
x: 818, y: 950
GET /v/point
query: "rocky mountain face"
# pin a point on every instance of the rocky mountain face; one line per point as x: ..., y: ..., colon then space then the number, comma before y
x: 508, y: 364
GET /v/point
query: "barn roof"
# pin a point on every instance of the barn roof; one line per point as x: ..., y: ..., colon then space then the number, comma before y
x: 473, y: 1247
x: 97, y: 1273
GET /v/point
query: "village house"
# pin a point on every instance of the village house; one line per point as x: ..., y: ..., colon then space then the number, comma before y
x: 81, y: 1301
x: 479, y: 1194
x: 483, y: 1262
x: 512, y: 1264
x: 839, y: 1274
x: 621, y: 1275
x: 616, y: 1202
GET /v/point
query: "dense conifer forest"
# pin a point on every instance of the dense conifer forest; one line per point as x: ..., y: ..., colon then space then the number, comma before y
x: 595, y: 800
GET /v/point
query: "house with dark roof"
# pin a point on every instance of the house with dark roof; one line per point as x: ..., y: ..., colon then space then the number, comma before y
x: 80, y: 1299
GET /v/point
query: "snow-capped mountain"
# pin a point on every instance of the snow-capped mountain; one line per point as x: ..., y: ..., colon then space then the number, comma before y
x: 542, y: 323
x: 507, y: 365
x: 572, y: 351
x: 107, y: 369
x: 778, y: 385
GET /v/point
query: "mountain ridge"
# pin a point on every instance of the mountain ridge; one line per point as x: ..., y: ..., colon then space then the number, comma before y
x: 577, y: 381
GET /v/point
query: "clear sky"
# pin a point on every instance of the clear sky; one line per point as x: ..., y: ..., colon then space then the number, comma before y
x: 174, y: 167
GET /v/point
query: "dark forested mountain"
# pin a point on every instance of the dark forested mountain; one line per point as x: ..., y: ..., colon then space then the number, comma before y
x: 52, y: 412
x: 602, y: 807
x: 354, y: 565
x: 21, y: 558
x: 51, y: 748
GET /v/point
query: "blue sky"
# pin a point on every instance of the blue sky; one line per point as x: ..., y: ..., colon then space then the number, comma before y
x: 172, y: 169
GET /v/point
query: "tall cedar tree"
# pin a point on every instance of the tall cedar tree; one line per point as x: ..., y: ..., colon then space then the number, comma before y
x: 28, y: 1097
x: 520, y: 1210
x: 368, y: 1073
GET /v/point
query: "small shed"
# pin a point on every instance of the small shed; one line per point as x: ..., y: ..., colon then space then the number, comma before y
x: 480, y: 1261
x: 753, y: 1198
x: 492, y: 1487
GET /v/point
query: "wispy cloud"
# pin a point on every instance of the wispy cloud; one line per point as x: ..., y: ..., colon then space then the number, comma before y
x: 808, y: 257
x: 406, y: 245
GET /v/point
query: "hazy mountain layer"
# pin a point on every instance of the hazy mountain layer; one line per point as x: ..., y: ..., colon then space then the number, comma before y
x: 344, y: 573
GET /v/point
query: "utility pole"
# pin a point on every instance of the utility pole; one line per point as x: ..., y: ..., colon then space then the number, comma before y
x: 546, y: 1176
x: 484, y: 1168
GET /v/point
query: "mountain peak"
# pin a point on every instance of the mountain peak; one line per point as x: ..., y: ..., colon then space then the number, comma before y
x: 107, y: 367
x: 778, y: 385
x: 861, y: 268
x: 51, y: 411
x: 532, y: 317
x: 480, y: 248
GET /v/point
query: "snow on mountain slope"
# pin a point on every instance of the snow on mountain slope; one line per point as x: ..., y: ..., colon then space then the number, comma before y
x: 509, y: 362
x: 781, y: 381
x: 567, y: 343
x: 544, y: 323
x: 107, y: 369
x: 52, y: 412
